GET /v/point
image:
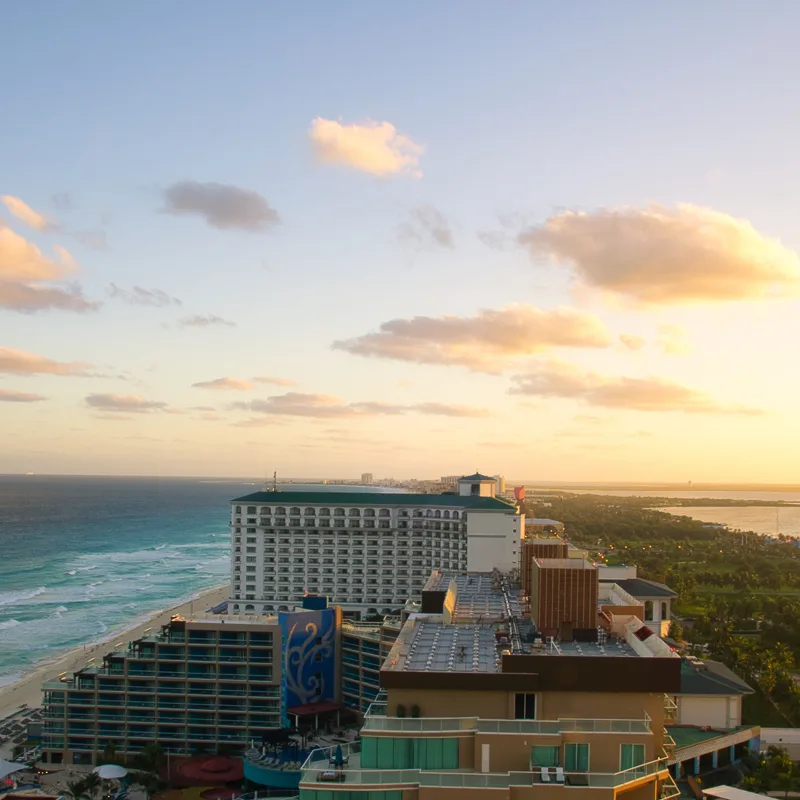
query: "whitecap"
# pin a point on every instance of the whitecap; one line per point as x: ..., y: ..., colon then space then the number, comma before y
x: 11, y: 598
x: 72, y: 572
x: 9, y: 623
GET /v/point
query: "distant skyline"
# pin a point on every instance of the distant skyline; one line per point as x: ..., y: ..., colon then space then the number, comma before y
x: 557, y: 241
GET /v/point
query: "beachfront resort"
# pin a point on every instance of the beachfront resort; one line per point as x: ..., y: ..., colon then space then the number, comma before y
x: 534, y: 674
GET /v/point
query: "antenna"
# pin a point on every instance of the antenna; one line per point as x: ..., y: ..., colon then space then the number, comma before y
x: 275, y: 481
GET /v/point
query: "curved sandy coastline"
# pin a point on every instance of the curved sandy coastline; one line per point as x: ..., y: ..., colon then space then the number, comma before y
x: 28, y: 689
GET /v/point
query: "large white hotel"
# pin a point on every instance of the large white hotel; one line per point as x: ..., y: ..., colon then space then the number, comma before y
x: 368, y: 552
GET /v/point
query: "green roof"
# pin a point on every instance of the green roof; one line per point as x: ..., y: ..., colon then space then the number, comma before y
x: 687, y: 735
x: 377, y: 499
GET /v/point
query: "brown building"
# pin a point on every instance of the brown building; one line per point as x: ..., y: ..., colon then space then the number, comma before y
x: 563, y: 597
x: 538, y: 547
x: 474, y: 709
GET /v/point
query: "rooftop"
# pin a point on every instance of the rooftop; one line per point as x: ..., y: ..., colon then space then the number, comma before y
x: 426, y: 644
x: 376, y: 499
x: 476, y: 476
x: 710, y: 677
x: 564, y: 563
x: 543, y: 521
x: 639, y: 587
x: 480, y: 596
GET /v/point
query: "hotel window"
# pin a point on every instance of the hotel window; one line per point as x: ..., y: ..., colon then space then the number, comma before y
x: 631, y: 755
x: 576, y: 757
x: 525, y: 706
x: 251, y: 509
x: 544, y: 756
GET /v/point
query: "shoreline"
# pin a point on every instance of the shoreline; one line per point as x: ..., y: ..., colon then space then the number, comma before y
x: 27, y: 689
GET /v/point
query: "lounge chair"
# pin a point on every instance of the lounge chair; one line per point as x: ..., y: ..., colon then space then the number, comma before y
x: 545, y: 775
x: 559, y: 774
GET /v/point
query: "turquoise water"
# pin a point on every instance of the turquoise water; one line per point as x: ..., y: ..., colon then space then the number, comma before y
x: 85, y: 557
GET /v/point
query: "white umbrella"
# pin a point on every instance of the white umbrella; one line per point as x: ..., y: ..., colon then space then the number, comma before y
x: 110, y: 772
x: 7, y: 767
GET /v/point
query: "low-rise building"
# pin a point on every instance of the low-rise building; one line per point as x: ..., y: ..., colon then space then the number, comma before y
x: 563, y: 597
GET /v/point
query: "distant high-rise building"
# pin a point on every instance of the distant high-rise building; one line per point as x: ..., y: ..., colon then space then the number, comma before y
x: 367, y: 479
x: 501, y: 483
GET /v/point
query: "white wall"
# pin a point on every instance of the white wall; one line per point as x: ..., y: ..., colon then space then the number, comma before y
x: 718, y: 711
x: 605, y: 573
x: 493, y: 540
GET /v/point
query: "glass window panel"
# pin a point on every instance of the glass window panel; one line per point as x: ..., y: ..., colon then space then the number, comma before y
x: 385, y: 752
x: 576, y: 757
x: 369, y: 752
x: 544, y: 756
x: 450, y: 754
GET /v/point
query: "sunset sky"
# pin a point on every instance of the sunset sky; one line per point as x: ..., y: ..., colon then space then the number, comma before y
x: 554, y: 241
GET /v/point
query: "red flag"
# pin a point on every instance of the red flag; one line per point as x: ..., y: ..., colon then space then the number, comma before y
x: 519, y: 493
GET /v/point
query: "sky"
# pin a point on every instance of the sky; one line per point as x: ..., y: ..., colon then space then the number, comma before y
x: 553, y: 241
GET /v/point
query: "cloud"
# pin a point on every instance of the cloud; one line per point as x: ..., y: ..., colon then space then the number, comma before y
x: 221, y: 205
x: 18, y: 362
x: 631, y: 341
x: 255, y: 422
x: 123, y: 403
x: 373, y: 147
x: 634, y: 394
x: 30, y: 298
x: 659, y: 255
x: 64, y: 201
x: 200, y: 321
x: 274, y: 381
x: 428, y: 228
x: 496, y: 240
x: 9, y: 396
x: 96, y: 240
x: 490, y: 341
x: 27, y: 275
x: 25, y: 214
x: 225, y: 384
x: 142, y: 297
x: 672, y: 340
x: 321, y: 406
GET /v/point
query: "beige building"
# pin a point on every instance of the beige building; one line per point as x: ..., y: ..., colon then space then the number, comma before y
x: 475, y: 703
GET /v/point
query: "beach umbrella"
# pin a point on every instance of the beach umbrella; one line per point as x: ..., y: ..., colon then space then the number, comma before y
x: 7, y: 767
x: 110, y: 772
x: 338, y: 758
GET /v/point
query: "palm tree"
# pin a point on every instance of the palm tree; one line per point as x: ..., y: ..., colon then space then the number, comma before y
x: 92, y: 783
x: 149, y: 782
x: 76, y: 790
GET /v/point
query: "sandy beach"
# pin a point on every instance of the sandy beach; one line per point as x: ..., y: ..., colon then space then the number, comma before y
x: 28, y: 690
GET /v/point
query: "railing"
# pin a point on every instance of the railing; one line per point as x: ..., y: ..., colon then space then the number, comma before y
x: 669, y: 789
x: 670, y: 709
x: 374, y: 721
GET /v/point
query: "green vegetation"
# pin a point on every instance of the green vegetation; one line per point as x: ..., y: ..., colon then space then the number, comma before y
x: 739, y: 592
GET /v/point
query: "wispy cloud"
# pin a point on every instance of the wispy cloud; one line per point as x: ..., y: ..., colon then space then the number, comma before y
x: 373, y: 147
x: 18, y: 362
x: 95, y: 240
x: 221, y: 205
x: 225, y: 384
x: 634, y: 394
x: 490, y: 341
x: 428, y: 228
x: 25, y: 214
x: 269, y: 379
x: 659, y: 255
x: 142, y: 297
x: 64, y: 201
x: 29, y: 298
x: 672, y: 340
x: 320, y: 406
x: 123, y: 403
x: 631, y: 341
x: 10, y: 396
x: 205, y: 321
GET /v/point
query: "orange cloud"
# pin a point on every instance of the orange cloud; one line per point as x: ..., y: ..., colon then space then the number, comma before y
x: 635, y: 394
x: 659, y: 255
x: 373, y: 147
x: 225, y: 385
x: 18, y: 362
x: 24, y: 213
x: 491, y: 341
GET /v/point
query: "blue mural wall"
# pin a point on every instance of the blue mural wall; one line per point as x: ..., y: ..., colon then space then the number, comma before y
x: 308, y: 650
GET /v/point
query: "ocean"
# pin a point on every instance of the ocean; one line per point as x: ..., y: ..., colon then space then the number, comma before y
x: 82, y: 558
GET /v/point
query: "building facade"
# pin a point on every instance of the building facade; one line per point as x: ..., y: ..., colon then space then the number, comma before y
x: 563, y: 596
x: 367, y: 551
x: 473, y: 705
x: 194, y: 684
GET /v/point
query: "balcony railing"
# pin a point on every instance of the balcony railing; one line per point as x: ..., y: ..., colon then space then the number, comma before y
x: 374, y: 721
